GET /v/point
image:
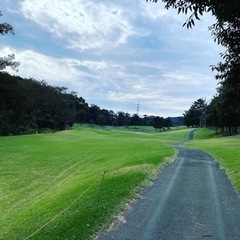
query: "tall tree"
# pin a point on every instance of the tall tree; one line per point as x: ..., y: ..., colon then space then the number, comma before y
x: 127, y: 120
x: 167, y: 122
x: 212, y: 117
x: 135, y: 119
x: 7, y: 61
x: 107, y: 116
x: 81, y: 109
x: 101, y: 119
x: 120, y: 118
x: 93, y: 112
x: 195, y: 116
x: 158, y: 122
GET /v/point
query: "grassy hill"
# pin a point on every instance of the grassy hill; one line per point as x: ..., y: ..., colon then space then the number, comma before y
x: 51, y: 183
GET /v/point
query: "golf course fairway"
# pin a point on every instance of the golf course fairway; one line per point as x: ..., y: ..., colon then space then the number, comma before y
x: 70, y: 184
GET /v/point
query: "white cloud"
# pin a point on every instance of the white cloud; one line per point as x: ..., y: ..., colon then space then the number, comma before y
x: 155, y: 11
x: 116, y: 52
x: 116, y: 83
x: 87, y: 76
x: 42, y: 67
x: 84, y: 24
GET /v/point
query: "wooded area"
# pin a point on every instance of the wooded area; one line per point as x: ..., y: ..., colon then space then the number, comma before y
x: 221, y: 113
x: 30, y: 106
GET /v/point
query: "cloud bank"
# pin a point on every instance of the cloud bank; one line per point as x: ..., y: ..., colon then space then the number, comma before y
x: 114, y: 54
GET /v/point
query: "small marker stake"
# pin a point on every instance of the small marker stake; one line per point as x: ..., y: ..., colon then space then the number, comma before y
x: 100, y: 191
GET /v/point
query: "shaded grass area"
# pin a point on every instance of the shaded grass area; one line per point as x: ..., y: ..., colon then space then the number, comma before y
x: 45, y: 175
x: 226, y: 150
x: 205, y: 133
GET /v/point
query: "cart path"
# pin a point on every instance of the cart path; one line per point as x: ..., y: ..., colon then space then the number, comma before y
x: 192, y: 198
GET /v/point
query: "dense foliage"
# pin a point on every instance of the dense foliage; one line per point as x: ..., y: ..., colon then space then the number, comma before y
x: 7, y: 61
x: 223, y: 112
x: 194, y: 117
x: 29, y: 106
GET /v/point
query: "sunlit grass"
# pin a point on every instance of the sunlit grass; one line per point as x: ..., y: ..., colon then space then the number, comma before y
x: 43, y: 174
x: 226, y: 150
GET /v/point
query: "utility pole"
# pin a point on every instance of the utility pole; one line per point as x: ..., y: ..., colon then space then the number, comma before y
x: 138, y: 105
x: 136, y: 115
x: 202, y: 115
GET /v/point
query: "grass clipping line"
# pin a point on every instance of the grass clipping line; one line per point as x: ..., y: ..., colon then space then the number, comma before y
x: 52, y: 219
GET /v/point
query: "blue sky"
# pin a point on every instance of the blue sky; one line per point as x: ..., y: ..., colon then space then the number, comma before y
x: 113, y: 53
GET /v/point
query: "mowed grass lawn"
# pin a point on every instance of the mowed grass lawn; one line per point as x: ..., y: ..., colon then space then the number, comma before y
x: 50, y: 183
x: 226, y: 150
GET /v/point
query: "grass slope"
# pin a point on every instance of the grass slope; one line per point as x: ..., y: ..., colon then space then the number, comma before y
x: 226, y: 150
x: 46, y: 174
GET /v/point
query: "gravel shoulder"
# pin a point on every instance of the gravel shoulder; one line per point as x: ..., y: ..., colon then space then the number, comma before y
x: 192, y: 198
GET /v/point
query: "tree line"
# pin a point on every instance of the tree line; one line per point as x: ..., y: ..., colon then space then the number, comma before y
x: 30, y: 106
x: 220, y: 113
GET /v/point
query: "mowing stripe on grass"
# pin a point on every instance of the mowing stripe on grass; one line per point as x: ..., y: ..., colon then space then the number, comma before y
x: 54, y: 171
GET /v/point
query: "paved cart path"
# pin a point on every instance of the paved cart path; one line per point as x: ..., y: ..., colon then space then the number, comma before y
x: 191, y: 198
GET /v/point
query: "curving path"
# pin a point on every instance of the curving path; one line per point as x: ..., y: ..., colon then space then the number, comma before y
x: 190, y: 199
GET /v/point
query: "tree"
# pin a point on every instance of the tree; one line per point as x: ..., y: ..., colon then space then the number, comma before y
x: 225, y: 11
x: 224, y: 110
x: 167, y: 122
x: 135, y: 120
x: 127, y: 120
x: 228, y: 108
x: 158, y: 122
x: 7, y: 61
x: 212, y: 118
x: 120, y: 118
x: 81, y: 109
x: 93, y: 112
x: 107, y: 116
x: 101, y: 119
x: 195, y: 116
x: 5, y: 27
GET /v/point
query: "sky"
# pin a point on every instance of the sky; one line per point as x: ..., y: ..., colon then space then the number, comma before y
x: 114, y: 54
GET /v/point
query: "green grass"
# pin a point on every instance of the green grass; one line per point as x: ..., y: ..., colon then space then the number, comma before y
x: 226, y: 150
x: 43, y: 174
x: 204, y: 133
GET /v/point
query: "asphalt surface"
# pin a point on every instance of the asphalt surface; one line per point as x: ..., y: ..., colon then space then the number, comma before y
x: 191, y: 198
